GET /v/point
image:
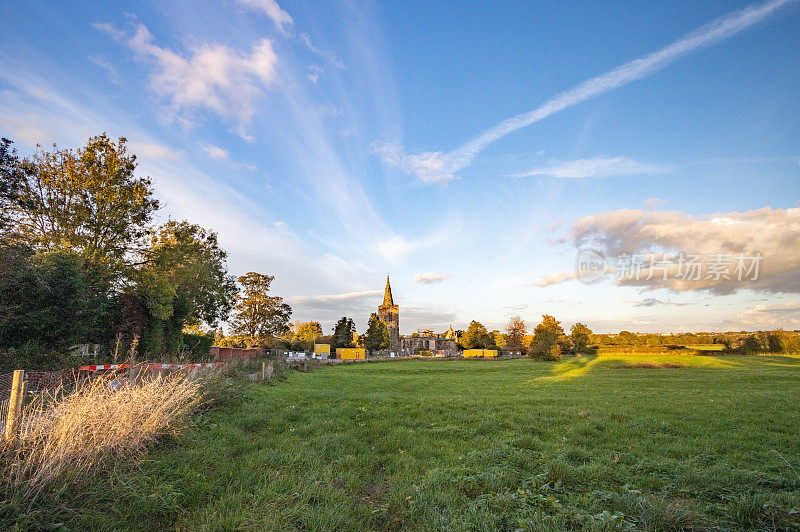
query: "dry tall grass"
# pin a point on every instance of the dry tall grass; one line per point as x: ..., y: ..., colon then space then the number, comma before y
x: 69, y: 435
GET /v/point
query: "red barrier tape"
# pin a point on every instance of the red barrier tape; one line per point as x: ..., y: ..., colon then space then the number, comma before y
x: 154, y: 366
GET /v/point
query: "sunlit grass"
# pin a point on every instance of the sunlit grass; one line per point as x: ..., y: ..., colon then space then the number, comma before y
x: 481, y: 445
x: 67, y: 436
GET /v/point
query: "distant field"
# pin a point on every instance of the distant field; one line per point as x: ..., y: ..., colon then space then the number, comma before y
x: 647, y: 441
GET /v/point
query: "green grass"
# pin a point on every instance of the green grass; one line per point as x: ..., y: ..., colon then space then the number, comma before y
x: 481, y: 445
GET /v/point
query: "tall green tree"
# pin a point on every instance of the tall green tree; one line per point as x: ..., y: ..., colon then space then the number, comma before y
x: 182, y: 278
x: 477, y: 337
x: 46, y: 299
x: 377, y: 335
x: 259, y: 316
x: 87, y: 202
x: 546, y: 337
x: 581, y: 335
x: 515, y: 334
x: 12, y: 176
x: 306, y: 334
x: 343, y: 333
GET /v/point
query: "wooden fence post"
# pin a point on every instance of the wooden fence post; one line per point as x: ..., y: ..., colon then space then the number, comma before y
x: 15, y: 406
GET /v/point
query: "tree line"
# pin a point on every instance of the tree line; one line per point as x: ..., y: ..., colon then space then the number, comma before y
x: 82, y: 262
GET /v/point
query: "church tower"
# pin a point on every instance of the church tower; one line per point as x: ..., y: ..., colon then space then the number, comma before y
x: 389, y: 313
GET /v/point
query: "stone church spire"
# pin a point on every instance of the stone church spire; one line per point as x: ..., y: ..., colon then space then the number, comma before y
x: 389, y: 313
x: 387, y: 294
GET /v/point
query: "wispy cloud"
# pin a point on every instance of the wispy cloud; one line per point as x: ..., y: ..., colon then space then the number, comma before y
x: 153, y: 151
x: 435, y: 167
x: 215, y: 152
x: 108, y: 67
x: 596, y: 167
x: 652, y: 302
x: 109, y: 29
x: 430, y: 278
x: 553, y: 278
x: 429, y: 167
x: 336, y: 301
x: 322, y: 53
x: 282, y: 20
x: 652, y: 203
x: 212, y: 77
x: 782, y: 315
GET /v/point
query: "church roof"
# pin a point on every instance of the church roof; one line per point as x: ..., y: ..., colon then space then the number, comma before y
x: 387, y: 294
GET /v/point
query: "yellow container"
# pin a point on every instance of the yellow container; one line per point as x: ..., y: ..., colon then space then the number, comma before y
x: 320, y: 349
x: 484, y: 353
x: 351, y: 353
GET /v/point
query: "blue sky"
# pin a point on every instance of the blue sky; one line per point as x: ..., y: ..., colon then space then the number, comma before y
x: 469, y: 150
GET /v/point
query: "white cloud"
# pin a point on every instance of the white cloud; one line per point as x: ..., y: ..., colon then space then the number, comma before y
x: 717, y: 30
x: 108, y: 67
x: 213, y: 77
x: 652, y: 302
x: 397, y: 247
x: 313, y: 73
x: 215, y: 152
x: 430, y: 278
x: 772, y: 233
x: 652, y: 203
x: 282, y: 20
x: 109, y: 29
x: 553, y: 278
x: 769, y: 317
x: 27, y: 128
x: 337, y: 301
x: 327, y: 55
x: 595, y: 167
x: 427, y: 166
x: 153, y: 151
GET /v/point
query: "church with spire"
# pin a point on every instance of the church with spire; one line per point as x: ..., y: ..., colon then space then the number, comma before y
x: 389, y: 313
x: 438, y: 344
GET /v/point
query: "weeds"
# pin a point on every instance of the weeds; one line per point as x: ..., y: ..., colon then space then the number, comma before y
x: 69, y: 436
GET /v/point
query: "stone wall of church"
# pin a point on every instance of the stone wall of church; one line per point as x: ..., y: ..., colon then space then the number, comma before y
x: 411, y: 344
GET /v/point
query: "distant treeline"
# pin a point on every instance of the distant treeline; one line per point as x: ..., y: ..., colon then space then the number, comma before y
x: 743, y: 342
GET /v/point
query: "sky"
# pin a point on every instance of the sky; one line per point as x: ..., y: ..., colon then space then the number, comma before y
x: 475, y: 152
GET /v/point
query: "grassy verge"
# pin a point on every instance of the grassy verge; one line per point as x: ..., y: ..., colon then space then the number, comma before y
x: 681, y: 441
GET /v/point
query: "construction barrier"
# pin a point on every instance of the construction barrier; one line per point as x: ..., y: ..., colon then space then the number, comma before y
x: 351, y: 353
x: 483, y: 353
x: 104, y: 367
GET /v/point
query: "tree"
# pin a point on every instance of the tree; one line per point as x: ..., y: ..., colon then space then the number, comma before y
x: 182, y: 278
x: 477, y: 337
x: 377, y: 335
x: 45, y: 299
x: 306, y: 334
x: 546, y: 336
x: 12, y: 175
x: 515, y: 334
x: 498, y: 339
x: 259, y: 316
x: 343, y: 333
x: 86, y: 202
x: 581, y: 337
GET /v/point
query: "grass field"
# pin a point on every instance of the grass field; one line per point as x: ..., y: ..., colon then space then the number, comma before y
x: 676, y: 441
